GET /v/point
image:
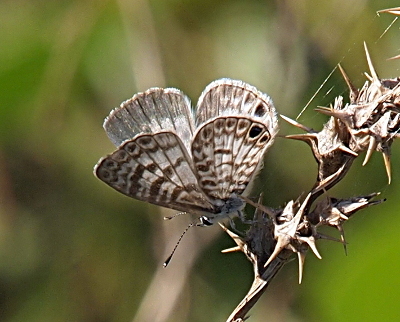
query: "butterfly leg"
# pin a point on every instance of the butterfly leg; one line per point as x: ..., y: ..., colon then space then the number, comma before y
x: 233, y: 225
x: 243, y: 218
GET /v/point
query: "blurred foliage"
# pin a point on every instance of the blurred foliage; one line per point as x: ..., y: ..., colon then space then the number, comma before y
x: 71, y: 249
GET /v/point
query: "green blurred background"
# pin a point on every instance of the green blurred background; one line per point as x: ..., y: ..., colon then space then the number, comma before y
x: 72, y: 249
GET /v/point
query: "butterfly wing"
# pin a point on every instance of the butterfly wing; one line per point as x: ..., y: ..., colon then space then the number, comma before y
x: 153, y: 111
x: 236, y: 125
x: 155, y: 168
x: 227, y: 97
x: 226, y: 153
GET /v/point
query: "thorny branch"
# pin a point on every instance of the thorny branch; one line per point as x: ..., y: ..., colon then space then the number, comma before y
x: 369, y: 122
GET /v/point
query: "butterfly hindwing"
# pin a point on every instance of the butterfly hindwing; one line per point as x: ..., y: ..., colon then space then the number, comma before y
x: 155, y: 168
x: 226, y: 152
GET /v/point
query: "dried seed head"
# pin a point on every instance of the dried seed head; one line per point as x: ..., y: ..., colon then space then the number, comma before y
x: 371, y: 121
x: 275, y: 234
x: 333, y: 157
x: 334, y: 212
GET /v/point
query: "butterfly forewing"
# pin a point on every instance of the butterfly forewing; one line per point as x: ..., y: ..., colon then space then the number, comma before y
x: 153, y: 111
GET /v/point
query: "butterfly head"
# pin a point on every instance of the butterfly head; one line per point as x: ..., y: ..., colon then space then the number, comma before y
x: 205, y: 221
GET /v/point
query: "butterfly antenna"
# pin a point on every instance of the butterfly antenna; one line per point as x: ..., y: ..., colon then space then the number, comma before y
x: 177, y: 244
x: 175, y: 215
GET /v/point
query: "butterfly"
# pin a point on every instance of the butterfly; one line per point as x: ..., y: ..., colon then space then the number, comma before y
x: 199, y: 161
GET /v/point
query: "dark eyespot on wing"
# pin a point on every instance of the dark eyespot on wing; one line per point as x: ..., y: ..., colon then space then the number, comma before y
x: 255, y: 131
x: 260, y: 110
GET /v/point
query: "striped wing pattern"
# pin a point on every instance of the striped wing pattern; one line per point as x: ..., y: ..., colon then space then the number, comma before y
x: 155, y: 168
x: 226, y: 152
x: 200, y: 164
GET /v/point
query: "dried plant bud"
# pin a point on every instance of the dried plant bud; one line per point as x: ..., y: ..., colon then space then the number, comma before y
x: 334, y: 158
x: 291, y: 232
x: 371, y: 120
x: 262, y: 244
x: 287, y: 228
x: 334, y: 212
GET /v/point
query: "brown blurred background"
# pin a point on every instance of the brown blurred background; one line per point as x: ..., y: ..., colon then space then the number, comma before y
x: 72, y: 249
